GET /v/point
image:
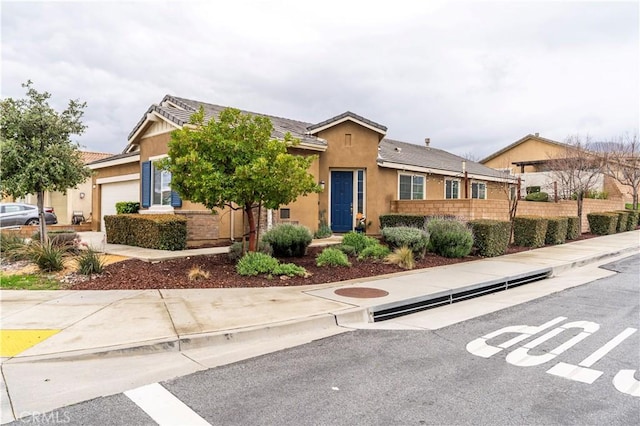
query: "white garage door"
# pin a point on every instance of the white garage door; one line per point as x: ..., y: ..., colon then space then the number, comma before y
x: 115, y: 192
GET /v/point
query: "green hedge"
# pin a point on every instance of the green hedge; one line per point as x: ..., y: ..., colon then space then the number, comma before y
x: 603, y: 223
x: 573, y: 227
x: 127, y: 207
x: 410, y: 220
x: 490, y: 237
x: 634, y: 219
x: 556, y: 230
x: 529, y: 231
x: 288, y: 240
x: 405, y: 236
x: 537, y: 196
x: 155, y: 231
x: 450, y: 238
x: 623, y: 218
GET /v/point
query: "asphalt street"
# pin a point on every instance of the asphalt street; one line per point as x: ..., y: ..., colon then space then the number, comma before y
x: 568, y: 358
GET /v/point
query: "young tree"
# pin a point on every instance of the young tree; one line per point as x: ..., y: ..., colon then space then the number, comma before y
x: 578, y: 169
x: 36, y: 148
x: 235, y: 160
x: 623, y: 163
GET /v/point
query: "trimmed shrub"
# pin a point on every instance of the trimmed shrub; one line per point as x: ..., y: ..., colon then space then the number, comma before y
x: 288, y: 240
x: 256, y: 263
x: 127, y: 207
x: 450, y: 238
x: 90, y: 262
x: 537, y: 196
x: 623, y: 218
x: 395, y: 220
x: 634, y: 219
x: 377, y: 251
x: 490, y: 237
x: 556, y: 230
x: 529, y: 231
x: 403, y: 257
x: 332, y: 257
x: 404, y: 236
x: 603, y: 223
x: 156, y: 231
x: 358, y: 241
x: 573, y: 227
x: 235, y: 250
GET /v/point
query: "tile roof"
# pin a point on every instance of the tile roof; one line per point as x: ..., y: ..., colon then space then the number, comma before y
x: 521, y: 140
x: 348, y: 114
x: 89, y: 156
x: 180, y: 116
x: 114, y: 157
x: 403, y: 153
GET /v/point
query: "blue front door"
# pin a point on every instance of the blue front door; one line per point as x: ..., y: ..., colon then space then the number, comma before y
x: 341, y: 201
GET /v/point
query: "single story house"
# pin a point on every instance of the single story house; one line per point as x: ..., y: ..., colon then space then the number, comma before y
x: 359, y: 169
x: 530, y: 156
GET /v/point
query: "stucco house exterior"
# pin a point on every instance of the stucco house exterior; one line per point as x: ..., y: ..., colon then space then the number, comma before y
x: 359, y: 169
x: 529, y: 158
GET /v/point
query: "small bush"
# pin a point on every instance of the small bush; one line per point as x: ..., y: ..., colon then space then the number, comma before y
x: 634, y: 218
x: 235, y: 249
x: 324, y: 231
x: 532, y: 189
x: 556, y: 230
x: 404, y: 236
x: 623, y: 218
x: 490, y: 237
x: 537, y: 196
x: 403, y: 257
x: 573, y: 227
x: 290, y: 270
x: 450, y: 238
x: 377, y: 251
x: 358, y: 241
x: 346, y: 249
x: 48, y: 256
x: 603, y: 223
x: 332, y: 257
x: 529, y: 231
x: 90, y: 262
x: 127, y: 207
x: 288, y: 240
x: 12, y: 246
x: 395, y: 220
x: 256, y: 263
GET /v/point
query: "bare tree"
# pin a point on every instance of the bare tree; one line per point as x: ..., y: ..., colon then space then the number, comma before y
x: 577, y: 169
x: 623, y: 163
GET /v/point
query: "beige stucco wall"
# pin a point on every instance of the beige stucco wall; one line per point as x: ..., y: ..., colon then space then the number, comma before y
x: 530, y: 150
x: 96, y: 190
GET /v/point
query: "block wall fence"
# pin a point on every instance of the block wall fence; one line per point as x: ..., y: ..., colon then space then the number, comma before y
x: 470, y: 209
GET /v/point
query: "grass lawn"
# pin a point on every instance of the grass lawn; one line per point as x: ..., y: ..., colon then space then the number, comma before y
x: 28, y: 282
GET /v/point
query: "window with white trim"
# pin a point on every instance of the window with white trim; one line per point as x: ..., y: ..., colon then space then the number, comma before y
x: 161, y: 185
x: 479, y: 190
x: 452, y: 189
x: 411, y: 187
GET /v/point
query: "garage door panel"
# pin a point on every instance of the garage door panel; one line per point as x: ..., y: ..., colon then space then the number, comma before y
x: 116, y: 192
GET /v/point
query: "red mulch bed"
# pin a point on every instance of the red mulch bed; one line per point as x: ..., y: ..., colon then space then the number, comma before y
x: 135, y: 274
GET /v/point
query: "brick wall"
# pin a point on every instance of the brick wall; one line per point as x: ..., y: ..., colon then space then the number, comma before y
x: 469, y: 209
x: 202, y: 226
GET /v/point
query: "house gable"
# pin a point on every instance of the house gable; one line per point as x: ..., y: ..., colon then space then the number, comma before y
x: 347, y: 116
x: 530, y: 148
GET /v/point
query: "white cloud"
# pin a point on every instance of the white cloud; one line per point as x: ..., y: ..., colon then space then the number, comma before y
x: 473, y: 76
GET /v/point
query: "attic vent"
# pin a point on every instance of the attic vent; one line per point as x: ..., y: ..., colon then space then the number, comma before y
x: 398, y: 149
x: 427, y: 141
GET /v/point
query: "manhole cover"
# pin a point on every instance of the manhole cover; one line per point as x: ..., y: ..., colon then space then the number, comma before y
x: 361, y: 292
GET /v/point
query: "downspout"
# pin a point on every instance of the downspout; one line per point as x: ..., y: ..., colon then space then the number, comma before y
x: 233, y: 214
x: 269, y: 219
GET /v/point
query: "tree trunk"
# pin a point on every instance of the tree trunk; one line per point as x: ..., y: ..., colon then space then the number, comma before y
x: 579, y: 199
x: 43, y: 223
x: 248, y: 209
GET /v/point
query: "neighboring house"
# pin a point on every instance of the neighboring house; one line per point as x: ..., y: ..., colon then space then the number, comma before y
x: 77, y: 199
x: 530, y: 157
x: 359, y: 170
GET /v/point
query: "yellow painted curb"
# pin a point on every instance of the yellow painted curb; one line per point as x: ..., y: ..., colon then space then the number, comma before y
x: 12, y: 342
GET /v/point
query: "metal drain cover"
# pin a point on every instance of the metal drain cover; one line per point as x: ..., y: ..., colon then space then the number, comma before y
x: 361, y: 292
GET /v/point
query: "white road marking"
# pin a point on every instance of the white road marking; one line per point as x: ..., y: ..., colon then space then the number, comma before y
x: 479, y: 347
x: 626, y: 383
x: 597, y: 355
x: 163, y: 407
x: 521, y: 357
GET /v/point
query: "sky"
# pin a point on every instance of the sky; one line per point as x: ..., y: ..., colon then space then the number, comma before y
x: 473, y: 76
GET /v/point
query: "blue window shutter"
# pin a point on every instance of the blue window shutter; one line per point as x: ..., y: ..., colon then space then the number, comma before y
x: 146, y: 184
x: 176, y: 201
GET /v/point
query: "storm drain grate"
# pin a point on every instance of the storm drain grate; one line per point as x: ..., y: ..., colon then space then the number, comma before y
x: 458, y: 296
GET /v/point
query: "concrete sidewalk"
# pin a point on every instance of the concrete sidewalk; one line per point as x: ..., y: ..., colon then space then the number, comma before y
x: 100, y: 331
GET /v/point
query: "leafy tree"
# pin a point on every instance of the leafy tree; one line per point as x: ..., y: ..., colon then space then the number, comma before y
x: 623, y: 163
x: 234, y: 160
x: 36, y: 148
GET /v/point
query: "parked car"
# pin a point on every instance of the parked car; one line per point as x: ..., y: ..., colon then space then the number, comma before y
x: 18, y: 214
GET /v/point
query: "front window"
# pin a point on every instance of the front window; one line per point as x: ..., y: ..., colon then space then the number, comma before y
x: 479, y: 190
x: 452, y: 189
x: 161, y: 186
x: 411, y: 187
